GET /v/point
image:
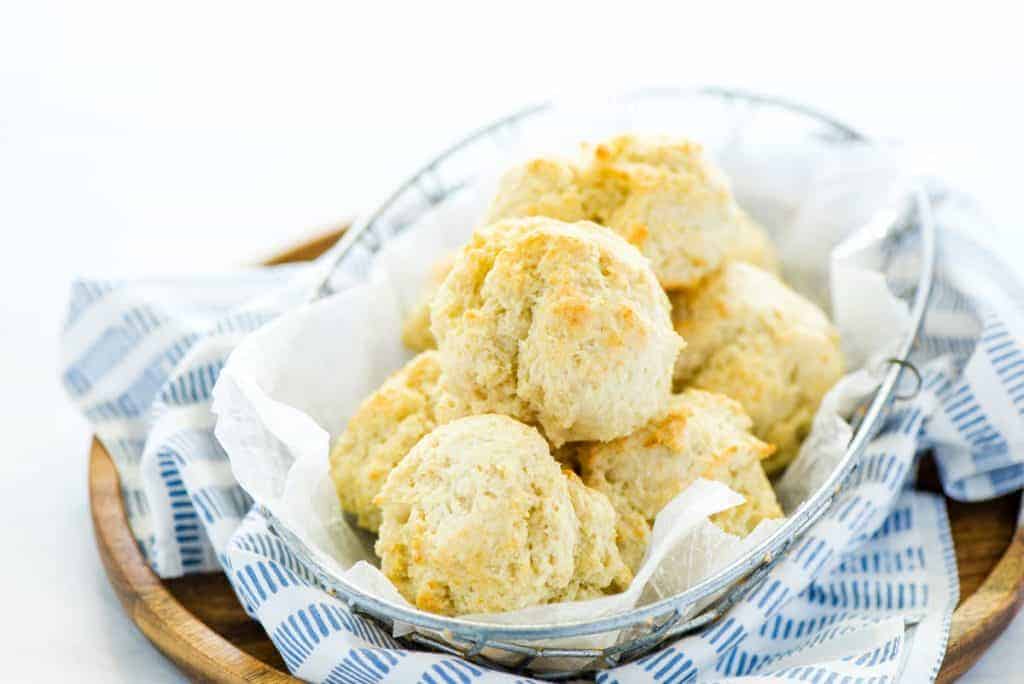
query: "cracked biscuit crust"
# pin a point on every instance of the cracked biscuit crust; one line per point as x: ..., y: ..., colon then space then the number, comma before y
x: 661, y: 194
x: 382, y: 431
x: 600, y: 569
x: 559, y: 325
x: 754, y: 339
x: 416, y: 333
x: 480, y: 518
x: 702, y: 435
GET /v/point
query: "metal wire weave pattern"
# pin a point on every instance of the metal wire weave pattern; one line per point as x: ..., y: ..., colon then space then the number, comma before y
x: 640, y: 630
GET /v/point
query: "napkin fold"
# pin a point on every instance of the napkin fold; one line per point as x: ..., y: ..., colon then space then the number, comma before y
x: 140, y: 359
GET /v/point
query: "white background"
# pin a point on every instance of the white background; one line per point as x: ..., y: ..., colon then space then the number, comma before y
x: 165, y: 137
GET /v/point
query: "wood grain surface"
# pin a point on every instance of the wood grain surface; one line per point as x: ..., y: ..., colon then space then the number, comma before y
x: 197, y: 622
x: 989, y: 543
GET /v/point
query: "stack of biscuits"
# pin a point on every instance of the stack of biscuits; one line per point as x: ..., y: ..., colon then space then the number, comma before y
x: 615, y: 329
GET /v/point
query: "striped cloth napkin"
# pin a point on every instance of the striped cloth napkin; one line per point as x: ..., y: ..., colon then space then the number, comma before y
x: 876, y: 573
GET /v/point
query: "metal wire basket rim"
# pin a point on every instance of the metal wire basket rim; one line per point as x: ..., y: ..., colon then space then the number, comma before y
x: 805, y: 515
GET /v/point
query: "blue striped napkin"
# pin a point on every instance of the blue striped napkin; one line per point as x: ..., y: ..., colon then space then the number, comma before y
x: 140, y: 359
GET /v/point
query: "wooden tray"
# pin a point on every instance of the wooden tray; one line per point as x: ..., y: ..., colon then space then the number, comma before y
x: 197, y: 622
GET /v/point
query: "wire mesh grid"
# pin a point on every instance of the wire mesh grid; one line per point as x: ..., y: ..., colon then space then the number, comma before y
x: 637, y: 632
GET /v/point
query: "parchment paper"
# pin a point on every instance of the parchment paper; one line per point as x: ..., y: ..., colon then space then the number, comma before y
x: 288, y: 389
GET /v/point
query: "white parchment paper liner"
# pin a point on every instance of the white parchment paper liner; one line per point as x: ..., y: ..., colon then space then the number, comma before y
x: 288, y: 389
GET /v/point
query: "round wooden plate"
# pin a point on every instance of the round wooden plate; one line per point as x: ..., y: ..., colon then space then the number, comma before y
x: 197, y: 622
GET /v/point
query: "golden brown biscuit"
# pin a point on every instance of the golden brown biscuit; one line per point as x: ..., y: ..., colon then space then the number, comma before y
x: 416, y: 333
x: 480, y: 518
x: 754, y: 339
x: 660, y: 194
x: 702, y: 435
x: 599, y: 566
x: 540, y: 187
x: 559, y: 325
x: 632, y: 536
x: 382, y: 431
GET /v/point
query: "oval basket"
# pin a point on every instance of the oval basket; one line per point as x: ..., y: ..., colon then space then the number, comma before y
x: 659, y: 621
x: 711, y: 114
x: 198, y: 623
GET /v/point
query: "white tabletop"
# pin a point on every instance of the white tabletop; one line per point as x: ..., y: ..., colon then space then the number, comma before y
x: 142, y: 138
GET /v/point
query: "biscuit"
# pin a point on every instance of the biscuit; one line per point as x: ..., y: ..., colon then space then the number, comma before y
x: 660, y: 194
x: 381, y: 432
x: 560, y: 325
x: 752, y: 338
x: 754, y: 246
x: 702, y: 435
x: 416, y: 333
x: 540, y: 187
x: 632, y: 536
x: 480, y: 518
x: 599, y: 568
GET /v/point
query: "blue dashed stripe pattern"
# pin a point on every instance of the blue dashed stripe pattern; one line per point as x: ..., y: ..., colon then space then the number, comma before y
x: 978, y: 436
x: 107, y: 351
x: 832, y: 583
x: 85, y: 293
x: 141, y: 362
x: 141, y: 359
x: 318, y: 637
x: 364, y: 665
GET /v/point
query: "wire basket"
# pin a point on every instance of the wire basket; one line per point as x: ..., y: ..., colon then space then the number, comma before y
x: 639, y: 631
